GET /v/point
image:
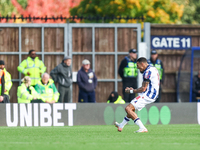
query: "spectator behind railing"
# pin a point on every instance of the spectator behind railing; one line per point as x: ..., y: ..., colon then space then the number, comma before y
x: 115, y: 98
x: 62, y: 74
x: 87, y: 82
x: 26, y: 93
x: 47, y: 89
x: 8, y: 83
x: 32, y: 67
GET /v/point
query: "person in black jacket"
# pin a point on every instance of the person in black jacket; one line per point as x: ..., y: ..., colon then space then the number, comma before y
x: 62, y: 74
x: 87, y: 82
x: 3, y: 98
x: 128, y: 72
x: 196, y: 86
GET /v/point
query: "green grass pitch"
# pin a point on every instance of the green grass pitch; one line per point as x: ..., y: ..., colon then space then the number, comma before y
x: 104, y: 137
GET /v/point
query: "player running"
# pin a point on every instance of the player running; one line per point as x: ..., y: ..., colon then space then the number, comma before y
x: 149, y: 92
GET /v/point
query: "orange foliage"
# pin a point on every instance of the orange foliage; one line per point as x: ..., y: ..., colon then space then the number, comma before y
x: 49, y: 8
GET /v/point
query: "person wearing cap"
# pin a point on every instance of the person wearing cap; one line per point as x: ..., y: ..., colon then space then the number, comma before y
x: 128, y: 72
x: 47, y: 89
x: 87, y: 82
x: 32, y: 67
x: 154, y: 61
x: 8, y: 81
x: 26, y: 93
x: 62, y: 74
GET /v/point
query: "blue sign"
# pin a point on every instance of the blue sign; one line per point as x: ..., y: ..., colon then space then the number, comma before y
x: 171, y: 42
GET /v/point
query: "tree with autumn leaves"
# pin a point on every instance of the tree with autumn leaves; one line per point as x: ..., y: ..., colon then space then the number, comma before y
x: 154, y: 11
x: 43, y: 8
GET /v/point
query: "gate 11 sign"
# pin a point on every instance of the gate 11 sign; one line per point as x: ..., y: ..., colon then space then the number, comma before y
x: 171, y: 42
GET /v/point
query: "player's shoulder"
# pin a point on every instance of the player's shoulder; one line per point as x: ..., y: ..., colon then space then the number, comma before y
x: 150, y: 69
x: 147, y: 71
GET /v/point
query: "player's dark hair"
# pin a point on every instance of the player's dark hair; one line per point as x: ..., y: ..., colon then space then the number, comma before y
x: 142, y: 60
x: 31, y: 51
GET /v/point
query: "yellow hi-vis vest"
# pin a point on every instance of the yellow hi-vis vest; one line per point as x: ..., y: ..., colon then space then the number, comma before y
x: 23, y: 95
x: 118, y: 101
x: 158, y: 67
x: 131, y: 69
x: 34, y: 67
x: 8, y: 81
x: 47, y: 92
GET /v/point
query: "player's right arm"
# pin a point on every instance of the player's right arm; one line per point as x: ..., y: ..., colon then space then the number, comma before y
x: 143, y: 88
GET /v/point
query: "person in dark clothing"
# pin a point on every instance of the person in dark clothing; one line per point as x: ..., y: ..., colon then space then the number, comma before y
x: 196, y: 86
x: 3, y: 98
x: 128, y: 72
x: 87, y: 82
x: 154, y: 61
x: 63, y: 75
x: 115, y: 98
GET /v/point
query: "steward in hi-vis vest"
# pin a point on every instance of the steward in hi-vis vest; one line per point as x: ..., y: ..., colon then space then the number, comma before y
x: 32, y: 67
x: 6, y: 83
x: 115, y: 98
x: 26, y: 93
x: 128, y: 72
x: 47, y: 89
x: 154, y: 61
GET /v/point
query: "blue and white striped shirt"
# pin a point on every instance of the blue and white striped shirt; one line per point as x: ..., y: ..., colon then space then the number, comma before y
x: 151, y: 74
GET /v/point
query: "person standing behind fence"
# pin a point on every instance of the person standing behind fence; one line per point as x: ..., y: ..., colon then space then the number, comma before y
x: 154, y: 61
x: 63, y: 75
x: 32, y: 67
x: 3, y: 97
x: 8, y: 81
x: 115, y: 98
x: 87, y: 82
x: 128, y: 72
x: 26, y: 93
x: 47, y: 89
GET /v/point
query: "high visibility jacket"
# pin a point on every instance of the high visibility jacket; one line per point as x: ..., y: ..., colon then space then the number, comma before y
x: 2, y: 73
x: 23, y: 94
x: 131, y: 69
x: 48, y: 92
x: 34, y: 67
x: 8, y: 81
x: 118, y: 101
x: 158, y: 67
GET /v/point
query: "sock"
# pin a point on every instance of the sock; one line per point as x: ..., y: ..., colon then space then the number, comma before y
x: 139, y: 123
x: 124, y: 122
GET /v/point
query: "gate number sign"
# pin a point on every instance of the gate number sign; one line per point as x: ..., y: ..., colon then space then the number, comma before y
x: 171, y: 42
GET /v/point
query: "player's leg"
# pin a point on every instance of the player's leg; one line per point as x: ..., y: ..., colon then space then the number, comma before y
x: 137, y: 103
x: 130, y: 109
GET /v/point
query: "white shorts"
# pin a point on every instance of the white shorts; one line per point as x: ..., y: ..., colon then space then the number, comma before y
x: 141, y: 101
